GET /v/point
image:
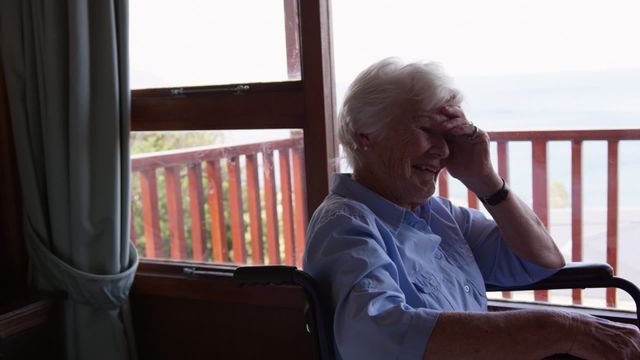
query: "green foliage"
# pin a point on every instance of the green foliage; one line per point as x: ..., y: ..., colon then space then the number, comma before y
x: 143, y: 142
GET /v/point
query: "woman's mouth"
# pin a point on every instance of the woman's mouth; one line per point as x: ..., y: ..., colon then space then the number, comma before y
x: 433, y: 170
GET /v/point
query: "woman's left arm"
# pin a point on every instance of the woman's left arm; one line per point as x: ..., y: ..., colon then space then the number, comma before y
x: 469, y: 161
x: 521, y: 229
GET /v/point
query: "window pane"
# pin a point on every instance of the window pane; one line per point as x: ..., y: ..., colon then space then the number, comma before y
x: 533, y: 67
x: 203, y: 42
x: 221, y: 196
x: 556, y: 65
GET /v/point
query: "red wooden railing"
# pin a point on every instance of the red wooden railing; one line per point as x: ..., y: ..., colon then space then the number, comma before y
x: 276, y: 209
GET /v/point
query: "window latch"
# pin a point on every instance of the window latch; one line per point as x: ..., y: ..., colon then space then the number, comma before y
x: 194, y: 272
x: 235, y: 90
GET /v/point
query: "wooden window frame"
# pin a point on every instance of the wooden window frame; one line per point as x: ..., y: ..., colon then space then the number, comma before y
x: 307, y: 104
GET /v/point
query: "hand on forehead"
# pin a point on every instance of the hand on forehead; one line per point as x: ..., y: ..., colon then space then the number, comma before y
x: 442, y: 119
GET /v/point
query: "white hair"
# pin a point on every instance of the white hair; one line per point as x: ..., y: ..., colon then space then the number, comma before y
x: 382, y: 91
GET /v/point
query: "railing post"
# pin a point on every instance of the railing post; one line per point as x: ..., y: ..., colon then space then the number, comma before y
x: 443, y: 184
x: 612, y: 214
x: 235, y: 210
x: 175, y: 212
x: 503, y: 170
x: 576, y: 210
x: 270, y: 203
x: 219, y: 245
x: 255, y: 210
x: 540, y: 193
x: 287, y: 210
x: 150, y: 216
x: 196, y: 199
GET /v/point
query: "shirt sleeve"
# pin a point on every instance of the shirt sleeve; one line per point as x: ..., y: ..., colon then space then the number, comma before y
x: 498, y: 264
x: 346, y: 254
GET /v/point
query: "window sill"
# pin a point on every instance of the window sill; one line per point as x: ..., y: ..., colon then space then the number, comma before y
x: 610, y: 314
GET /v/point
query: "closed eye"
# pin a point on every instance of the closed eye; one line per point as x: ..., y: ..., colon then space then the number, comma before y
x: 425, y: 129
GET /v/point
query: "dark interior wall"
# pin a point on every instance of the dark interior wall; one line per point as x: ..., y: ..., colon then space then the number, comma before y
x: 30, y: 324
x: 210, y: 317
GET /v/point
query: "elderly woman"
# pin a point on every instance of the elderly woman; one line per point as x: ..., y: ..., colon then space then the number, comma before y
x: 405, y: 270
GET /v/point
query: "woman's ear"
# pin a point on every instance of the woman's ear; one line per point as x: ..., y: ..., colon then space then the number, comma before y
x: 363, y: 141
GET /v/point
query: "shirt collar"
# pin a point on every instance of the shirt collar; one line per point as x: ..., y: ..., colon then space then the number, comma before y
x: 390, y: 213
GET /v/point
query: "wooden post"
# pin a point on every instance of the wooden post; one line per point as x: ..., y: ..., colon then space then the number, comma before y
x: 576, y: 210
x: 287, y: 208
x: 270, y: 200
x: 150, y: 216
x: 235, y: 211
x: 196, y: 199
x: 220, y: 251
x: 612, y: 215
x: 175, y: 212
x: 255, y: 210
x: 540, y: 194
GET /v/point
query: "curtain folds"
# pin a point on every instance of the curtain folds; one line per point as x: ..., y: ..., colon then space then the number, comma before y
x: 66, y: 69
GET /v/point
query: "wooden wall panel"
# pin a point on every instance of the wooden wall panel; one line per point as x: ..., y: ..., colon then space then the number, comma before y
x: 177, y: 316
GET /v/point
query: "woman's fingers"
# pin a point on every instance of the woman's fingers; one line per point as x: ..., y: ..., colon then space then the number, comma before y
x: 605, y: 339
x: 467, y: 129
x: 451, y: 120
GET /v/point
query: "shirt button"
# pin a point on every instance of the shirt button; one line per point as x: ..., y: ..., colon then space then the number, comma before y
x: 438, y: 255
x: 467, y: 288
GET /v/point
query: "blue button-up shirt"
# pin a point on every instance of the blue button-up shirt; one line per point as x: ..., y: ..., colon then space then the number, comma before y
x: 390, y: 271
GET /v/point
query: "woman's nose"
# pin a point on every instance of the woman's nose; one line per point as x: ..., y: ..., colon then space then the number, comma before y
x: 439, y: 147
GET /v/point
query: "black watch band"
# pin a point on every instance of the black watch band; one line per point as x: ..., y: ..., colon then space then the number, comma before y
x: 497, y: 197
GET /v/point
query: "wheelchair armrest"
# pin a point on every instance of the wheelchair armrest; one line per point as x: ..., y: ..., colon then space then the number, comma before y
x: 580, y: 275
x: 573, y: 275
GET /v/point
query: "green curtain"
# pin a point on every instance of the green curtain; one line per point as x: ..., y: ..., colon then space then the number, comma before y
x: 66, y: 66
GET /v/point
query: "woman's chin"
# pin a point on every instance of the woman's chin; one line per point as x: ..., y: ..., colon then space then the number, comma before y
x: 424, y: 193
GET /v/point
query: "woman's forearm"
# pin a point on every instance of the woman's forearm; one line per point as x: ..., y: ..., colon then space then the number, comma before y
x: 525, y: 234
x: 499, y: 335
x: 530, y: 334
x: 520, y: 227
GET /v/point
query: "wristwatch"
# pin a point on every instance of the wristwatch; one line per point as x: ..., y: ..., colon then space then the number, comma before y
x: 497, y: 197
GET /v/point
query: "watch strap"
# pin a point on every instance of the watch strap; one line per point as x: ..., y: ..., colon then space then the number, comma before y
x: 497, y: 197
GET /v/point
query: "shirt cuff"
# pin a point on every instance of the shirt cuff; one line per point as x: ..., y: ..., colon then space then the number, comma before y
x: 418, y: 334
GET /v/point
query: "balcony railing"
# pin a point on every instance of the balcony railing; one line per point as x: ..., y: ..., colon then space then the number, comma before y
x: 272, y: 203
x: 243, y: 188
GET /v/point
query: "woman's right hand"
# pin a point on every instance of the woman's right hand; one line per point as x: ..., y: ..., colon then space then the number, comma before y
x: 597, y: 338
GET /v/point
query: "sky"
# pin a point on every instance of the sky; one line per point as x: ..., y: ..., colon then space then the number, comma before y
x: 491, y: 37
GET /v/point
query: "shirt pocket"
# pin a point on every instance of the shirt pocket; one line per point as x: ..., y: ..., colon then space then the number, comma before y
x: 459, y: 254
x: 426, y: 283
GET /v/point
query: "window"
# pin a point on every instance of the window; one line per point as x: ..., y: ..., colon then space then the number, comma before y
x: 222, y: 196
x: 201, y: 42
x: 221, y: 118
x: 555, y: 83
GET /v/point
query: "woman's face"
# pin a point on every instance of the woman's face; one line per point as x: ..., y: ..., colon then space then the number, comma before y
x: 403, y: 164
